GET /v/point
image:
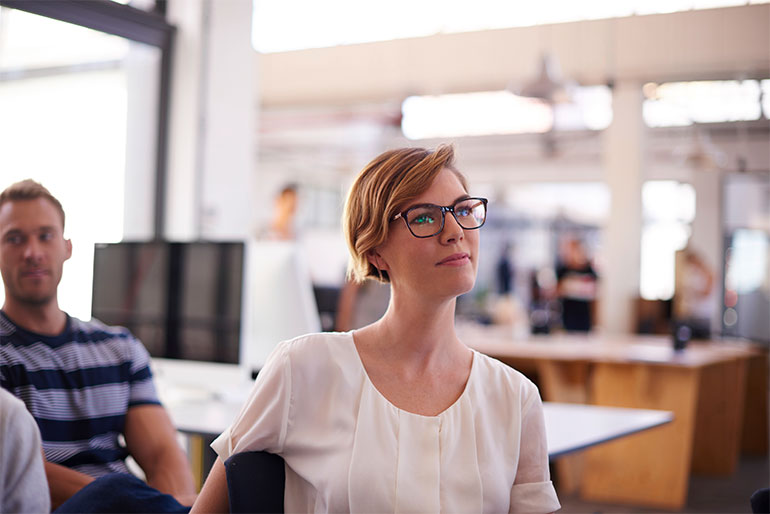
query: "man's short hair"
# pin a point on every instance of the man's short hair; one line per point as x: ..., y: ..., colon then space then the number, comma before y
x: 28, y: 189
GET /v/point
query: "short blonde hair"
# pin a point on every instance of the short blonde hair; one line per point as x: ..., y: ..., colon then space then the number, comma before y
x: 28, y: 189
x: 386, y: 185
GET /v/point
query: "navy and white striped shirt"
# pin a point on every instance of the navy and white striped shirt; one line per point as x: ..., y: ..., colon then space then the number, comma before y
x: 78, y: 386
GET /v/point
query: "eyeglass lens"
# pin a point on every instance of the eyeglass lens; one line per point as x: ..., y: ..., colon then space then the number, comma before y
x: 425, y: 220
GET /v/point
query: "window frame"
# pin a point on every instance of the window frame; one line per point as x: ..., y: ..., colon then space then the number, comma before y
x: 150, y: 28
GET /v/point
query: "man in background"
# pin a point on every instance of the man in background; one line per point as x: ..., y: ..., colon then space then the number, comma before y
x: 86, y: 384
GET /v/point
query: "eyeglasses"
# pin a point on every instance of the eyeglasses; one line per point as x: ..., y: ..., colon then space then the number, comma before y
x: 427, y: 219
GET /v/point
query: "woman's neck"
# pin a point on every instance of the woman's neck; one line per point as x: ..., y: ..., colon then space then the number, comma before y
x: 417, y: 332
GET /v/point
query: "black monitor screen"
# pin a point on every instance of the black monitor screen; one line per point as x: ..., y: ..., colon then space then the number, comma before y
x: 182, y: 300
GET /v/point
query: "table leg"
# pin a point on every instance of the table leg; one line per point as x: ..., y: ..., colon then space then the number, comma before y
x: 201, y: 457
x: 717, y: 441
x: 650, y: 468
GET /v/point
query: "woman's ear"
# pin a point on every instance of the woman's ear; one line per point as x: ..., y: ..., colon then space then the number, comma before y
x: 376, y: 260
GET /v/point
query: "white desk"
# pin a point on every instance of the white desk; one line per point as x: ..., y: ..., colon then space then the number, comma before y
x: 569, y: 427
x: 572, y: 427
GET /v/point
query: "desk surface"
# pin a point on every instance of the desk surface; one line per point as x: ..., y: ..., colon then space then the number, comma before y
x: 573, y: 427
x: 569, y: 427
x: 499, y: 342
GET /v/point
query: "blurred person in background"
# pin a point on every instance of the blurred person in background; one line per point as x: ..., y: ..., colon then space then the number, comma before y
x: 576, y: 287
x: 694, y: 300
x: 281, y: 227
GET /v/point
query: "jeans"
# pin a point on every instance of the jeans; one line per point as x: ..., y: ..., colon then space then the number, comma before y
x: 120, y: 493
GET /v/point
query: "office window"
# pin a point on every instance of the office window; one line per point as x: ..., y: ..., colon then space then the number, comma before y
x: 474, y: 114
x: 501, y: 112
x: 79, y: 115
x: 668, y: 208
x: 676, y: 104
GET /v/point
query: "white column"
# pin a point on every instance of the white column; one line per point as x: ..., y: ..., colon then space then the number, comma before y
x: 623, y: 160
x: 212, y: 125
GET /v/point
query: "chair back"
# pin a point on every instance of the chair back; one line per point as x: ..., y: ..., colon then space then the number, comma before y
x: 255, y: 482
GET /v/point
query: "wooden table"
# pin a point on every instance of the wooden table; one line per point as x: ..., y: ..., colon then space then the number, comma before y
x: 704, y: 386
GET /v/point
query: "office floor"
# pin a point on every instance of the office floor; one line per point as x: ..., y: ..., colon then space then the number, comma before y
x: 725, y: 495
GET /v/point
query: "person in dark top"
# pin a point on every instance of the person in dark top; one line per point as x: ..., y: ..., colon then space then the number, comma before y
x: 576, y: 288
x: 504, y: 271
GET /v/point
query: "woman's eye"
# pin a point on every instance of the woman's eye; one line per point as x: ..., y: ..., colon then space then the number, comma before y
x: 422, y: 219
x: 464, y: 209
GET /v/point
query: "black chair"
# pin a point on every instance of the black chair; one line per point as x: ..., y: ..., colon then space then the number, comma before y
x: 760, y: 500
x: 255, y: 482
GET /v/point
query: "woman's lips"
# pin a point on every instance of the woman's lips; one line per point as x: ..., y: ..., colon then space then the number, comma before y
x: 456, y: 259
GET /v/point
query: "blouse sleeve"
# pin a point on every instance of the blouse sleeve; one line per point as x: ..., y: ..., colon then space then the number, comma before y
x: 532, y: 489
x: 262, y: 422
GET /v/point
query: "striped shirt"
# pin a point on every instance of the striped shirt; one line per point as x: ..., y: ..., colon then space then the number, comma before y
x: 78, y: 386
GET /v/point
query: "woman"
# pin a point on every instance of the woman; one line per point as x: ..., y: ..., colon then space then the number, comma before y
x: 399, y: 415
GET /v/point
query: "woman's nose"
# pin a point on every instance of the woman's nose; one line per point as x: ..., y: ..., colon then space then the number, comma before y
x: 452, y: 231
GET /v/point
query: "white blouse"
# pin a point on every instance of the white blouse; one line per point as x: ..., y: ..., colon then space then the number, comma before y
x: 348, y: 449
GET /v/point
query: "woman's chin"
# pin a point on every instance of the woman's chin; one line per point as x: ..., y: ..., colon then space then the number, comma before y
x: 459, y: 288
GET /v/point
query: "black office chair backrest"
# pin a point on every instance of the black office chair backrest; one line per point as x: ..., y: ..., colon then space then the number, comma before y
x: 255, y: 482
x: 760, y: 500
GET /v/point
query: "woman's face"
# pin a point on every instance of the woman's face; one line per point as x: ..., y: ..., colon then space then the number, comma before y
x: 442, y: 266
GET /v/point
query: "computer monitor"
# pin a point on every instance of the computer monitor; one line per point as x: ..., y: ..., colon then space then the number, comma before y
x: 182, y: 300
x: 279, y: 302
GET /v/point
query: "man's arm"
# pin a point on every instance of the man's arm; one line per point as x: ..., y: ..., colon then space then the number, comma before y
x: 63, y: 482
x: 151, y: 441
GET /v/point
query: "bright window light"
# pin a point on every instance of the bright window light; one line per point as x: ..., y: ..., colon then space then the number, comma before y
x: 284, y: 25
x: 581, y: 202
x: 30, y: 41
x: 676, y: 104
x: 501, y: 112
x: 748, y: 265
x: 474, y: 114
x: 668, y: 208
x: 590, y: 108
x: 668, y: 201
x: 65, y: 126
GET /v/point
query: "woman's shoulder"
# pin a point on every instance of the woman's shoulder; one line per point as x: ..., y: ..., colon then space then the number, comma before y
x: 498, y: 376
x: 317, y: 343
x: 317, y: 353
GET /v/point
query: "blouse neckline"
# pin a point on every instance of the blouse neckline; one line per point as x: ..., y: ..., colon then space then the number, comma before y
x: 441, y: 414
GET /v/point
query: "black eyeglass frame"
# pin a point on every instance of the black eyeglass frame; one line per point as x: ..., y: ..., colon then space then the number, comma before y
x: 444, y: 209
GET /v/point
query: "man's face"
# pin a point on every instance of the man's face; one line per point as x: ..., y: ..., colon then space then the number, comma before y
x: 32, y: 251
